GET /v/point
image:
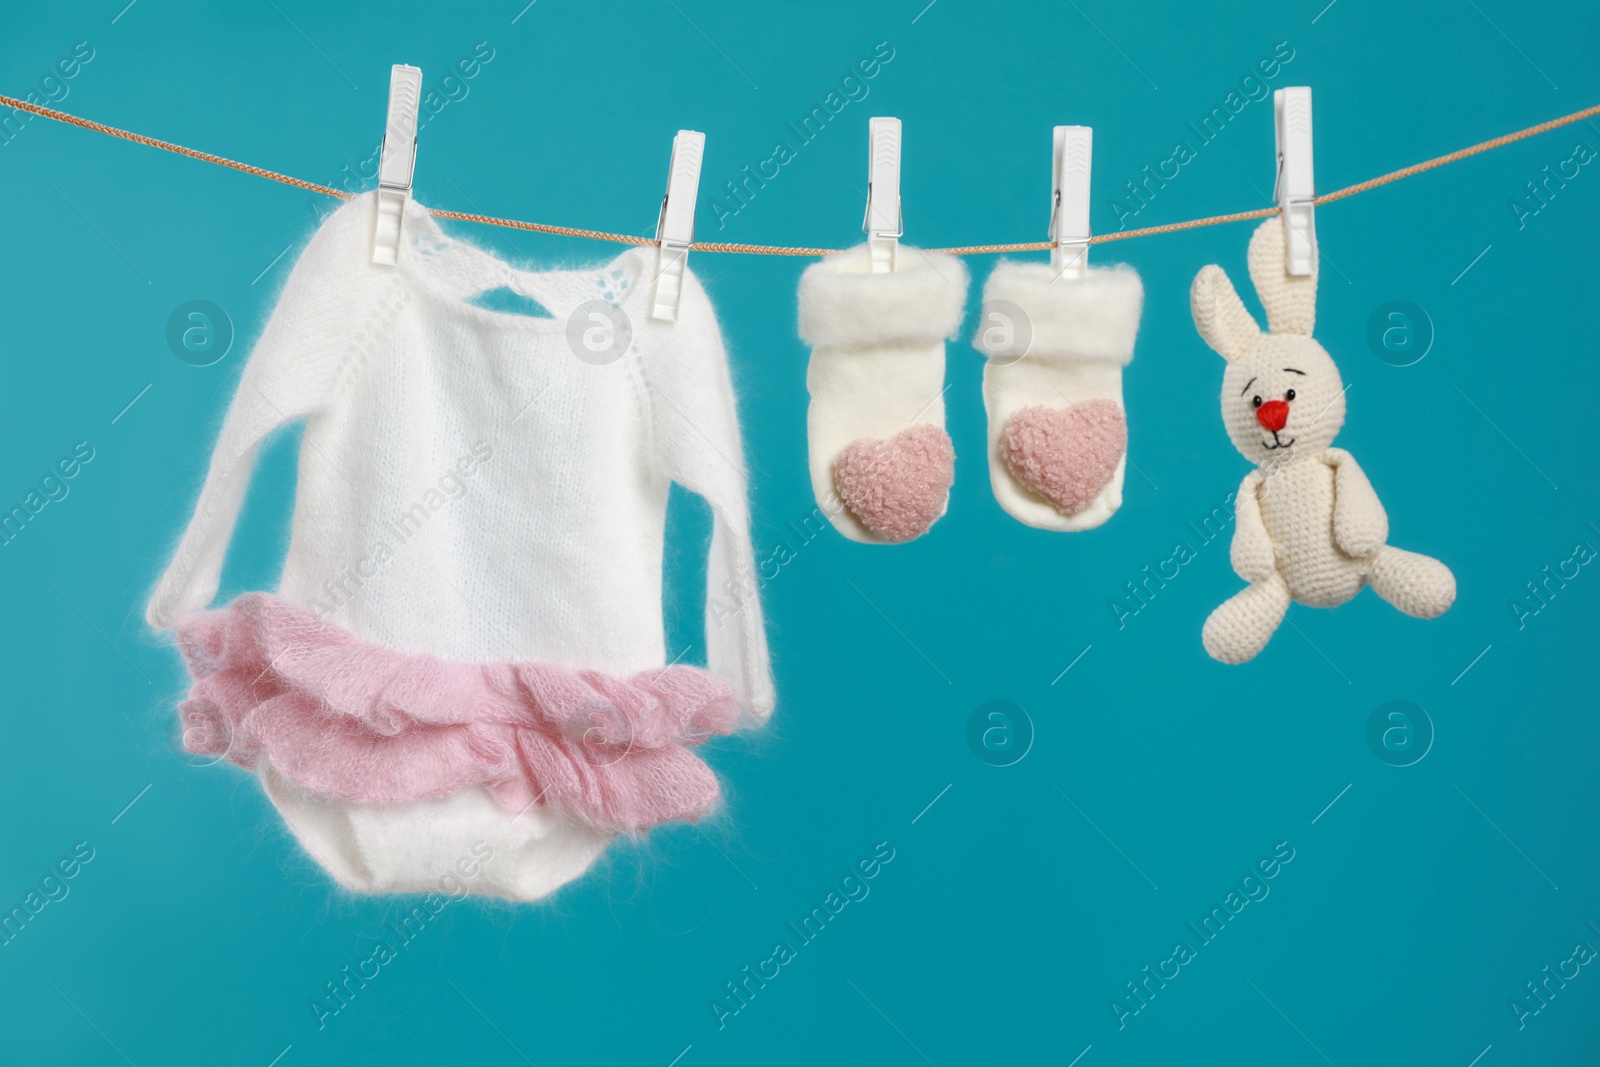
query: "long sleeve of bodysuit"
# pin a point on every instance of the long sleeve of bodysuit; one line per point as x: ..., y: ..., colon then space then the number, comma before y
x: 332, y: 304
x: 697, y: 444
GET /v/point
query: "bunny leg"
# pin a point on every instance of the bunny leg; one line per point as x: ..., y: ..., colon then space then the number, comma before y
x: 1245, y: 622
x: 1416, y: 584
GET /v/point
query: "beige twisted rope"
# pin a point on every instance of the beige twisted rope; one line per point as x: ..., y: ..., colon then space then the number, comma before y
x: 783, y: 250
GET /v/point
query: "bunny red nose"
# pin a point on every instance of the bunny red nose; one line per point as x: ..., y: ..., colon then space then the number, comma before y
x: 1273, y: 415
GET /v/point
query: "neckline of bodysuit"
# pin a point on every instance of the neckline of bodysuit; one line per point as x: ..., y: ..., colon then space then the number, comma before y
x: 560, y: 291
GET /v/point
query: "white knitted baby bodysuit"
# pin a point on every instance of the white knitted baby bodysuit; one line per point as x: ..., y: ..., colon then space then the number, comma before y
x: 465, y: 655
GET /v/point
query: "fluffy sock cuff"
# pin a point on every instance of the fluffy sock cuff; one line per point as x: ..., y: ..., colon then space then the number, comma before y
x: 1094, y: 317
x: 842, y: 303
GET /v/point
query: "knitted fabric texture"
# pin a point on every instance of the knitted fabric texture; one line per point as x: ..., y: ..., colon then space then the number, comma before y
x: 1052, y: 388
x: 1308, y: 524
x: 881, y: 462
x: 351, y: 719
x: 478, y: 488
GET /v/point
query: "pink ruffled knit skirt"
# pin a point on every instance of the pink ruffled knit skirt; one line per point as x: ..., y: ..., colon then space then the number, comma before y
x: 344, y: 717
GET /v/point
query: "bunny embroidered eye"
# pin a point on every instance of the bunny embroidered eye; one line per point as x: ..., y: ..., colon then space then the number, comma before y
x: 1289, y: 395
x: 1255, y: 401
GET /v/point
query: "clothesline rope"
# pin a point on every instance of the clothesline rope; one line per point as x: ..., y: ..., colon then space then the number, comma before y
x: 783, y: 250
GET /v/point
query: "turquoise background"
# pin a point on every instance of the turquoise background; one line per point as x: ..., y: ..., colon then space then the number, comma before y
x: 1019, y: 903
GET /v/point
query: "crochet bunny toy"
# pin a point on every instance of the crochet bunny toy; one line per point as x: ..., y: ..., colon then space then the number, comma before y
x: 1309, y: 526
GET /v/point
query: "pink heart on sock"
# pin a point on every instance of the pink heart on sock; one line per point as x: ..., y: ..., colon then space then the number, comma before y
x: 1068, y: 456
x: 899, y: 487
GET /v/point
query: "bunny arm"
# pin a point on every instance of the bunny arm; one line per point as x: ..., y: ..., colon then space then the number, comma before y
x: 1360, y: 525
x: 1251, y: 553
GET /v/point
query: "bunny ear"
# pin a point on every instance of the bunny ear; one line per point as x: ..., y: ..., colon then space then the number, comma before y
x: 1290, y: 299
x: 1220, y: 315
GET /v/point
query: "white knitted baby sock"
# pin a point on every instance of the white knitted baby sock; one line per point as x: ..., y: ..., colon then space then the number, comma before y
x: 1052, y: 386
x: 881, y: 462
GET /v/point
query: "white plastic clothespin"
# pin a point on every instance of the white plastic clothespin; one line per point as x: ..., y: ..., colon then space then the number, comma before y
x: 884, y: 223
x: 1069, y: 203
x: 1296, y: 190
x: 397, y: 161
x: 675, y: 227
